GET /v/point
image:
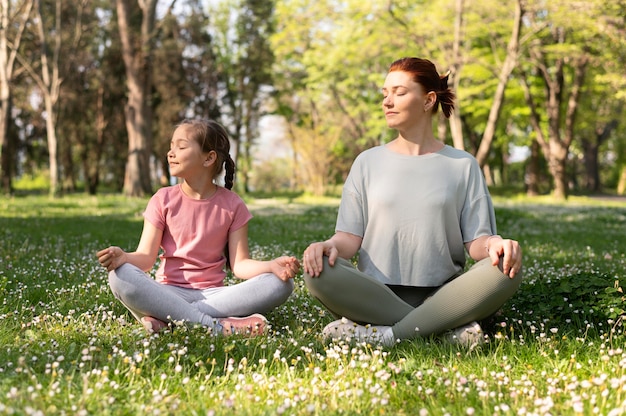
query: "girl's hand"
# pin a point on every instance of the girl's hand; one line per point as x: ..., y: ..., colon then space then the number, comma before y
x: 285, y: 267
x: 111, y: 258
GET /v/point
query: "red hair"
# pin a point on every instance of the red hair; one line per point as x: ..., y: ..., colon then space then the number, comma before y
x: 425, y: 73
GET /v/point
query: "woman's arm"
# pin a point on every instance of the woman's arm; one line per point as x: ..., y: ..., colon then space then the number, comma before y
x: 145, y: 255
x: 496, y: 247
x: 244, y: 267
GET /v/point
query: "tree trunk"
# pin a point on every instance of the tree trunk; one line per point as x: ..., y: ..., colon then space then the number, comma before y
x: 498, y: 100
x: 53, y: 146
x: 6, y: 68
x: 621, y: 185
x: 137, y: 55
x: 50, y: 84
x: 591, y: 149
x: 531, y: 179
x: 556, y: 147
x: 7, y: 62
x: 557, y: 164
x: 91, y: 166
x: 590, y: 160
x: 6, y: 154
x: 456, y: 129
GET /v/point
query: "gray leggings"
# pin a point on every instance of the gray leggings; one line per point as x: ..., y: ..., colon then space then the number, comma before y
x: 473, y: 295
x: 143, y: 296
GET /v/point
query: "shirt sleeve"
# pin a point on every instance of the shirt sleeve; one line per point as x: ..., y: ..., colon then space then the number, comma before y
x: 155, y: 213
x: 478, y: 215
x: 352, y: 215
x: 241, y: 214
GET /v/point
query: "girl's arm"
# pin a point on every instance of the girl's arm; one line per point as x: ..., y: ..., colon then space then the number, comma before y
x: 145, y: 255
x: 244, y: 267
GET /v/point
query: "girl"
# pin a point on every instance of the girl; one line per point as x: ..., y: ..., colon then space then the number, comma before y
x: 193, y: 222
x: 412, y: 208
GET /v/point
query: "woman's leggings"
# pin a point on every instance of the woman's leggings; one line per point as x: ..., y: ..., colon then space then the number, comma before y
x: 472, y: 296
x: 143, y: 296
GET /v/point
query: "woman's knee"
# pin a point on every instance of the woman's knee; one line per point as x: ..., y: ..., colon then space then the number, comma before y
x: 493, y: 280
x: 485, y: 265
x: 323, y: 285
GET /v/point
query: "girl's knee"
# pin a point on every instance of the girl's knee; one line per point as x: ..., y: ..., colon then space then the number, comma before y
x: 279, y: 287
x: 126, y: 281
x: 285, y: 287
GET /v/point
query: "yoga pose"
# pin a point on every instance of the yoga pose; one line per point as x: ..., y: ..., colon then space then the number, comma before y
x: 411, y: 209
x: 199, y: 228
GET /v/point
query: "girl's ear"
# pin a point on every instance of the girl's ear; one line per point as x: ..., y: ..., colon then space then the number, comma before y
x: 210, y: 158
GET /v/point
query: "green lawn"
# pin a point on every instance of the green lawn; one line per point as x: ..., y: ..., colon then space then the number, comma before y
x: 68, y: 347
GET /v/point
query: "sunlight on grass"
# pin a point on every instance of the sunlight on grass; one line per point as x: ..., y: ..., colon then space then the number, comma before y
x: 67, y: 346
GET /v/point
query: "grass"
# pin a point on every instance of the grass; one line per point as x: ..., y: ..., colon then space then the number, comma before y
x: 68, y: 347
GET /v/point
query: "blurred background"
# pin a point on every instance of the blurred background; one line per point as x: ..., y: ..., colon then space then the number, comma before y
x: 91, y: 90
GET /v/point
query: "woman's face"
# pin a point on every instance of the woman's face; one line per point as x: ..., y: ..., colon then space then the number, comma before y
x: 404, y: 100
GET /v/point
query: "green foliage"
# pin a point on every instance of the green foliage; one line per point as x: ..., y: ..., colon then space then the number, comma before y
x: 319, y: 64
x: 587, y: 297
x: 35, y: 182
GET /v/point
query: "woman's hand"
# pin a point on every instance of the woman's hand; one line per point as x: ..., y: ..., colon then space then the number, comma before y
x: 341, y: 244
x: 285, y: 267
x: 314, y: 257
x: 510, y: 252
x: 111, y: 258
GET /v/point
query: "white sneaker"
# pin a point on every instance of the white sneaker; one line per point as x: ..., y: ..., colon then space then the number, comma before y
x: 470, y: 335
x: 346, y: 330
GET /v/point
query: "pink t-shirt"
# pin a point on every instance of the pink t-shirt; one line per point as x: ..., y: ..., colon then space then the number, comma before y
x: 195, y: 234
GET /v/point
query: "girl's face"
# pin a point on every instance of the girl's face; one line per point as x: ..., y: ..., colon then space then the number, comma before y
x: 404, y: 100
x: 185, y: 157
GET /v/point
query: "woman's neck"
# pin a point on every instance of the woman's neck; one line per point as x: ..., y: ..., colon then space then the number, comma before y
x: 415, y: 146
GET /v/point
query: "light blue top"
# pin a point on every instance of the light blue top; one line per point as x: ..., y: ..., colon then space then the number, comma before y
x: 415, y: 213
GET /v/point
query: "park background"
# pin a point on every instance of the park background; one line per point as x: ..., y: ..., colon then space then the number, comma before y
x: 91, y: 91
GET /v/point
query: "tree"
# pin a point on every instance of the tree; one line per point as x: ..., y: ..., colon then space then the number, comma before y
x: 456, y: 63
x: 81, y: 118
x: 186, y: 83
x: 331, y: 62
x: 611, y: 76
x: 11, y: 26
x: 137, y: 26
x: 510, y: 61
x: 559, y: 59
x: 57, y: 49
x: 241, y: 34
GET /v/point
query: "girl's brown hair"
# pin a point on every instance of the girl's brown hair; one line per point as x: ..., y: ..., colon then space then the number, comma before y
x: 425, y: 73
x: 212, y: 136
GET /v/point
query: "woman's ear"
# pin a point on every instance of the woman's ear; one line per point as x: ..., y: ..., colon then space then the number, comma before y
x: 431, y: 99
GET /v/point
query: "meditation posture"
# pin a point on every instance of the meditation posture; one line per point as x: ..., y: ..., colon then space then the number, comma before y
x: 199, y: 227
x: 412, y: 209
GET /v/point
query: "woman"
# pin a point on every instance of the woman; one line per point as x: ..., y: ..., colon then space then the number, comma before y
x: 410, y: 209
x: 192, y: 223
